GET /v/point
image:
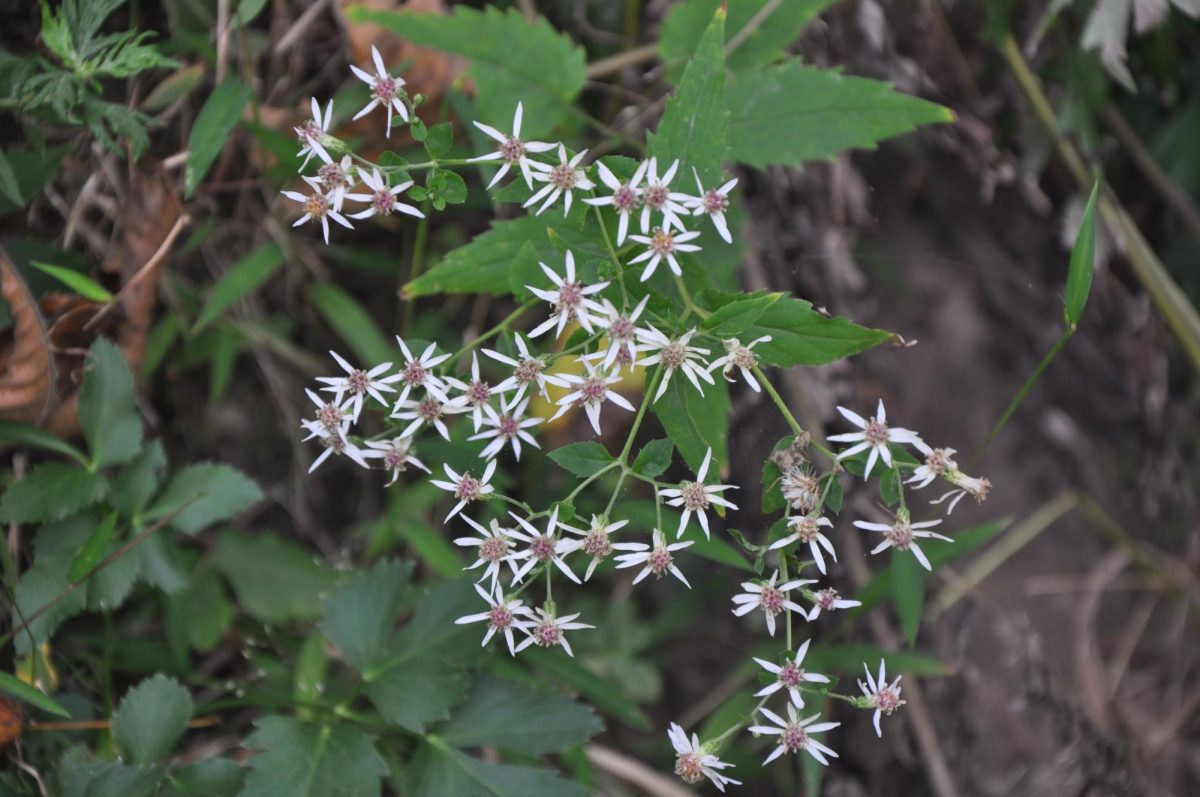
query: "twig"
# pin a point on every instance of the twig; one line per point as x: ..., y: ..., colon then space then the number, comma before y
x: 222, y: 39
x: 149, y: 266
x: 754, y: 23
x: 634, y: 772
x: 615, y: 63
x: 296, y: 31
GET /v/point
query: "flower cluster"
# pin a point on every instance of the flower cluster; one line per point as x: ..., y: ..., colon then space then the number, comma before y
x: 593, y: 332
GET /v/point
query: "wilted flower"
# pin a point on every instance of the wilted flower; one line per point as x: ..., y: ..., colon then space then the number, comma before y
x: 693, y: 763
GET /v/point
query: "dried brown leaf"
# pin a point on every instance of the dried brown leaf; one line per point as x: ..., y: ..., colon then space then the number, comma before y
x: 27, y: 369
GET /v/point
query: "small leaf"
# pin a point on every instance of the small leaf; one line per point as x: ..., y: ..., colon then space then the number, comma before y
x: 654, y: 458
x: 519, y: 718
x: 696, y: 422
x: 212, y: 127
x: 94, y: 550
x: 208, y: 493
x: 1083, y: 262
x: 15, y: 433
x: 82, y: 284
x: 212, y: 777
x: 583, y: 459
x: 151, y: 719
x: 107, y: 411
x: 802, y: 336
x: 352, y: 323
x: 439, y: 139
x: 246, y: 275
x: 734, y: 318
x: 32, y: 695
x: 51, y: 491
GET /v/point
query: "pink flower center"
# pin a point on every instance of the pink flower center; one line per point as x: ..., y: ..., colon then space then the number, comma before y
x: 744, y: 358
x: 901, y: 535
x: 625, y: 199
x: 395, y: 459
x: 478, y: 392
x: 467, y: 489
x: 563, y: 176
x: 715, y: 202
x: 415, y: 373
x: 335, y: 441
x: 624, y: 358
x: 662, y: 242
x: 508, y: 427
x: 770, y: 600
x: 594, y: 390
x: 791, y: 676
x: 887, y: 701
x: 936, y: 461
x: 329, y: 417
x: 493, y: 549
x: 569, y: 296
x: 527, y: 371
x: 673, y: 354
x: 694, y: 496
x: 655, y: 196
x: 826, y: 598
x: 316, y: 206
x: 807, y: 528
x: 430, y: 409
x: 659, y: 561
x: 384, y: 90
x: 687, y: 767
x: 331, y: 175
x: 547, y: 634
x: 876, y: 432
x: 358, y: 382
x: 793, y: 738
x: 596, y: 544
x: 621, y: 329
x: 310, y: 132
x: 500, y: 617
x: 384, y: 202
x: 542, y: 548
x: 512, y: 149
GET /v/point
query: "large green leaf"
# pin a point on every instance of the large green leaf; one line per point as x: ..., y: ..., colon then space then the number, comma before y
x: 297, y: 759
x: 393, y: 693
x: 802, y: 336
x: 274, y: 580
x: 512, y: 60
x: 520, y: 718
x: 212, y: 127
x: 360, y: 613
x: 207, y: 493
x: 685, y: 24
x: 583, y: 459
x: 794, y: 113
x: 437, y: 769
x: 51, y: 491
x: 694, y: 125
x: 151, y: 718
x: 107, y: 411
x: 696, y: 422
x: 246, y: 275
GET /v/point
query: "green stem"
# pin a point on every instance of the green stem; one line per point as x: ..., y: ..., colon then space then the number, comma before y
x: 783, y: 574
x: 612, y: 251
x: 486, y: 336
x: 418, y: 264
x: 689, y: 304
x: 1021, y: 394
x: 641, y: 413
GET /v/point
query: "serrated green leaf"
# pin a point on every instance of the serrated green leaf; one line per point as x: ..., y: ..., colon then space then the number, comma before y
x: 654, y: 458
x: 398, y: 702
x: 212, y: 777
x: 137, y: 482
x: 94, y: 550
x: 696, y: 422
x: 437, y: 769
x: 351, y: 322
x: 793, y: 113
x: 208, y: 493
x: 274, y: 581
x: 512, y: 60
x: 200, y: 614
x: 82, y: 284
x: 1083, y: 262
x: 151, y: 719
x: 519, y: 718
x: 247, y: 274
x: 298, y: 759
x: 695, y: 124
x: 736, y: 317
x: 107, y: 411
x: 108, y: 779
x: 212, y: 128
x: 908, y: 592
x: 15, y: 433
x: 51, y: 491
x: 439, y: 139
x: 54, y: 547
x: 802, y: 336
x: 29, y: 694
x: 605, y: 694
x: 583, y: 459
x: 361, y: 612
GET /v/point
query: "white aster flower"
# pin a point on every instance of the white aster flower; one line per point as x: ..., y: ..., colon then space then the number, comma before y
x: 740, y: 357
x: 335, y: 177
x: 693, y: 763
x: 382, y: 197
x: 467, y: 488
x: 595, y: 542
x: 714, y: 202
x: 477, y: 394
x: 330, y: 415
x: 828, y: 600
x: 769, y: 597
x: 880, y: 695
x: 502, y: 616
x: 675, y: 354
x: 625, y: 197
x: 621, y: 333
x: 807, y: 529
x: 335, y: 442
x: 656, y: 558
x: 495, y: 548
x: 529, y: 370
x: 418, y: 371
x: 512, y: 149
x: 359, y: 383
x: 544, y: 547
x: 590, y: 392
x: 657, y: 197
x: 569, y: 300
x: 317, y: 206
x: 696, y: 496
x: 663, y: 244
x: 313, y: 133
x: 795, y: 734
x: 903, y: 534
x: 875, y: 435
x: 429, y: 411
x: 508, y: 428
x: 560, y: 179
x: 396, y: 455
x: 386, y: 90
x: 940, y: 462
x: 549, y: 631
x: 791, y: 676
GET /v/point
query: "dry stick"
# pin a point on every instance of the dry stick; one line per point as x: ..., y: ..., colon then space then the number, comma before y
x: 615, y: 63
x: 149, y: 266
x: 108, y: 560
x: 1171, y: 301
x: 298, y: 28
x: 102, y: 725
x: 1175, y: 196
x: 634, y: 772
x: 754, y: 23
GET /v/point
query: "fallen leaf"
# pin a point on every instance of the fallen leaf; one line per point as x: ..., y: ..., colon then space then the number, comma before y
x: 27, y: 370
